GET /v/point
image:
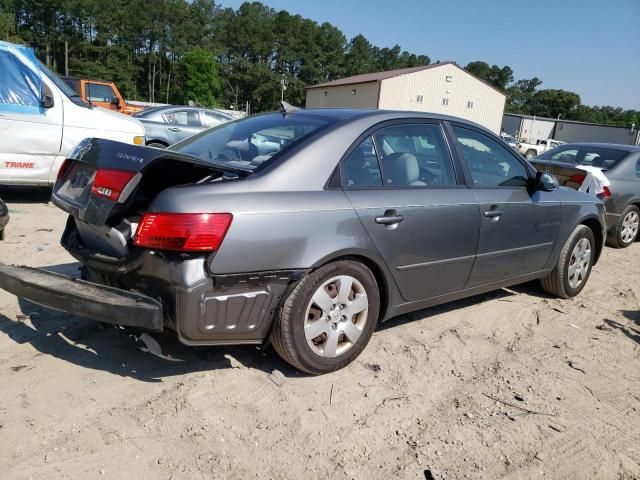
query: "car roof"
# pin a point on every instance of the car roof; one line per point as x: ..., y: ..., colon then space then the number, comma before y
x: 353, y: 113
x: 164, y: 108
x: 613, y: 146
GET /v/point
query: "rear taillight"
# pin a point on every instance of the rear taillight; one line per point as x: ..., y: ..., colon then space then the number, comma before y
x: 577, y: 179
x: 605, y: 193
x: 110, y: 183
x: 63, y: 169
x: 185, y: 232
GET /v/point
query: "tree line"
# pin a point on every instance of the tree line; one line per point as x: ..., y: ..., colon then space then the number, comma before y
x: 175, y: 51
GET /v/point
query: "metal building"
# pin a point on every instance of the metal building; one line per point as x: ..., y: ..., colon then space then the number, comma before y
x: 442, y: 88
x: 532, y: 129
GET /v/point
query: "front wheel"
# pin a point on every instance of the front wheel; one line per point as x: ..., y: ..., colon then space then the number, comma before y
x: 626, y: 230
x: 530, y: 154
x: 328, y: 318
x: 572, y: 271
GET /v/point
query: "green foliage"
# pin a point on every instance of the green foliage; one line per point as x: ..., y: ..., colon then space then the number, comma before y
x: 201, y: 83
x: 173, y: 51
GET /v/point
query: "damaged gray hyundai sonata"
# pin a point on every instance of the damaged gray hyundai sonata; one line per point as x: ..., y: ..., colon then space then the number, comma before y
x: 306, y: 228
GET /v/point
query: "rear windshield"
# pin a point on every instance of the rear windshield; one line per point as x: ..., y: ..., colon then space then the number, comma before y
x: 601, y: 157
x: 252, y: 141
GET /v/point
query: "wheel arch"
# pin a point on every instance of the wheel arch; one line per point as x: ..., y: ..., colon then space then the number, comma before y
x: 595, y: 225
x: 157, y: 140
x: 386, y: 283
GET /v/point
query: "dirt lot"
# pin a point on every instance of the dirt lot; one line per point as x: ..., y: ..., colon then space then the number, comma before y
x: 511, y: 384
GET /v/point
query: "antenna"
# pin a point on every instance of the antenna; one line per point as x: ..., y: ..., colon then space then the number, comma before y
x: 287, y: 107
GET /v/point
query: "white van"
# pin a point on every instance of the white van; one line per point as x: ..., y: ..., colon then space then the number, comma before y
x: 42, y: 120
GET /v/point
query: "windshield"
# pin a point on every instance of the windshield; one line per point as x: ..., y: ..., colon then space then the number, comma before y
x: 62, y: 86
x: 601, y: 157
x: 252, y: 141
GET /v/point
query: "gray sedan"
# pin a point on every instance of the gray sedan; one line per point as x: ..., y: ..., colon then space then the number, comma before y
x: 165, y: 126
x: 620, y: 164
x: 307, y: 229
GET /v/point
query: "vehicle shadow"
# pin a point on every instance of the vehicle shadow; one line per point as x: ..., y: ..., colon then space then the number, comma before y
x: 116, y: 350
x: 632, y: 332
x: 445, y: 308
x: 26, y: 194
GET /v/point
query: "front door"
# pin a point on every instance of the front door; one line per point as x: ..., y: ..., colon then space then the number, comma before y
x: 30, y: 135
x: 425, y: 225
x: 518, y: 225
x: 181, y: 124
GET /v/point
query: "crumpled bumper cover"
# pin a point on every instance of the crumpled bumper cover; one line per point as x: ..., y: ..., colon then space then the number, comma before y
x: 82, y: 298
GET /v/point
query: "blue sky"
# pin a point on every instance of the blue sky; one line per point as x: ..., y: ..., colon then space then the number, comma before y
x: 590, y: 47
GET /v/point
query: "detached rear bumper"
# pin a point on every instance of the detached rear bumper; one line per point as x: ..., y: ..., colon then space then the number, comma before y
x: 82, y: 298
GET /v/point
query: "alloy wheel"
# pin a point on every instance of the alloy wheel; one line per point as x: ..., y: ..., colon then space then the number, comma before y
x: 336, y: 316
x: 630, y: 224
x: 579, y: 262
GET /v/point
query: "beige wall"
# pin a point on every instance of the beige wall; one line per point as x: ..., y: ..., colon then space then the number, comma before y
x: 400, y: 93
x: 342, y: 96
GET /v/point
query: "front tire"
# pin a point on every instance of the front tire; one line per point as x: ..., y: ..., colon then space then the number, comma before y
x: 530, y: 154
x: 328, y: 318
x: 626, y: 230
x: 572, y: 271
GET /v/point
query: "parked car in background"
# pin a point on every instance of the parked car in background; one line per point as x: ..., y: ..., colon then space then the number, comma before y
x: 101, y: 94
x: 621, y: 166
x: 530, y: 150
x: 357, y: 217
x: 509, y: 140
x: 4, y: 218
x: 167, y: 125
x: 42, y: 120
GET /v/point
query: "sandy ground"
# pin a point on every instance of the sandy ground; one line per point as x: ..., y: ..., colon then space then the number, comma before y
x: 511, y: 384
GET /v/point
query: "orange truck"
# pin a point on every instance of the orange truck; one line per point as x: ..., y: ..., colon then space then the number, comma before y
x: 102, y: 94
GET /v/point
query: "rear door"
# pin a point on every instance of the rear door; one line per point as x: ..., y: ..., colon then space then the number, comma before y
x: 518, y: 225
x: 401, y: 180
x: 182, y: 123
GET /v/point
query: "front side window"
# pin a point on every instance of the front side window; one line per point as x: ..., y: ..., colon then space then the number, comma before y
x: 210, y: 119
x: 414, y: 155
x: 183, y: 118
x: 361, y: 169
x: 96, y: 92
x: 489, y: 163
x: 252, y: 141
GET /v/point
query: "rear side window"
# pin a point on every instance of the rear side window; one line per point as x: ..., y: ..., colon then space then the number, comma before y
x: 96, y: 92
x: 600, y: 157
x: 489, y: 163
x: 361, y: 169
x: 414, y: 155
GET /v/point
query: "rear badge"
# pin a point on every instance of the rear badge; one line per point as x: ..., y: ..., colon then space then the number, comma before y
x: 132, y: 158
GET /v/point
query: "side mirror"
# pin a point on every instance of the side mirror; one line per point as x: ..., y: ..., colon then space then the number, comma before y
x: 46, y: 97
x: 116, y: 102
x: 546, y: 182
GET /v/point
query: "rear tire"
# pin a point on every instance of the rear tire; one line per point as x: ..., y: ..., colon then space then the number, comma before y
x: 572, y: 271
x: 625, y: 231
x: 328, y: 318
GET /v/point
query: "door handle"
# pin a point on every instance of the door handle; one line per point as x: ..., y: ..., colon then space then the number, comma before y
x: 174, y: 129
x: 493, y: 214
x: 390, y: 217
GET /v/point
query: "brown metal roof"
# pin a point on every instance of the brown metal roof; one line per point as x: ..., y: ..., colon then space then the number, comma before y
x: 377, y: 76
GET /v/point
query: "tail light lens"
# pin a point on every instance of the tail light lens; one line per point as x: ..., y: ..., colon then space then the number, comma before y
x: 577, y: 179
x: 63, y: 169
x: 605, y: 193
x: 184, y: 232
x: 109, y: 183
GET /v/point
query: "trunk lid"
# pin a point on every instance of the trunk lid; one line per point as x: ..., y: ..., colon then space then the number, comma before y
x: 106, y: 186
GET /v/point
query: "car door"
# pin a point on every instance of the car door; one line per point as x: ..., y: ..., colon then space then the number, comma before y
x: 518, y: 225
x: 182, y: 123
x: 424, y: 222
x: 101, y: 95
x: 31, y: 134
